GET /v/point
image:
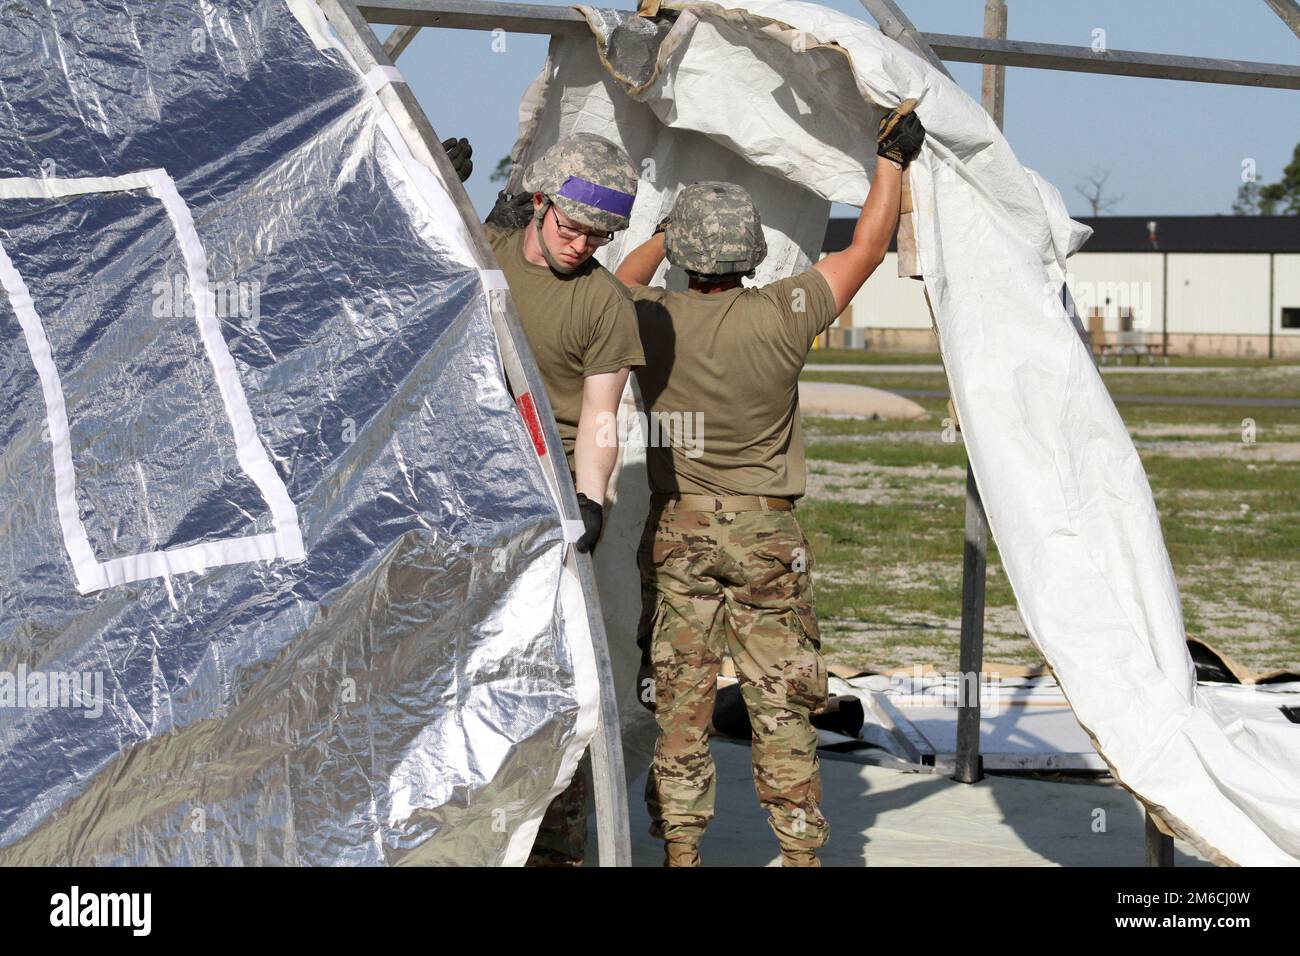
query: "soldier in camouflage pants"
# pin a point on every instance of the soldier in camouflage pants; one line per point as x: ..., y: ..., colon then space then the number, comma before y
x: 724, y: 564
x: 738, y: 583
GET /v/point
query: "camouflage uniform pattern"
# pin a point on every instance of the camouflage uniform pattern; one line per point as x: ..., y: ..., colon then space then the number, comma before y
x: 715, y: 230
x: 741, y: 583
x: 588, y: 157
x: 562, y: 837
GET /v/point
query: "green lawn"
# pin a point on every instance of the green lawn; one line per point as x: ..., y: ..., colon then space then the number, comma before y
x: 885, y: 510
x: 1281, y: 381
x: 872, y: 357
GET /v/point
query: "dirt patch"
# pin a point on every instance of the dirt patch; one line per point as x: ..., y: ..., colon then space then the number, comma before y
x: 1223, y: 450
x: 1247, y: 608
x: 1225, y: 432
x: 918, y: 637
x: 916, y: 437
x: 865, y: 483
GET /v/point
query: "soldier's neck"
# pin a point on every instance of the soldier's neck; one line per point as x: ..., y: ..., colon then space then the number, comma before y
x: 710, y: 288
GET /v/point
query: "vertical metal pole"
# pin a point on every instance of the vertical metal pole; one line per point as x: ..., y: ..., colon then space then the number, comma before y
x: 995, y: 76
x: 1272, y: 319
x: 1160, y: 846
x: 975, y: 551
x: 1164, y: 306
x: 970, y: 768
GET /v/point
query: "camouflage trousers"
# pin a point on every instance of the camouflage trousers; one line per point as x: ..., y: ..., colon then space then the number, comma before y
x: 562, y: 837
x: 738, y: 582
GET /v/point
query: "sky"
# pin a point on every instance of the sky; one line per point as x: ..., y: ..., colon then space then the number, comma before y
x: 1171, y: 147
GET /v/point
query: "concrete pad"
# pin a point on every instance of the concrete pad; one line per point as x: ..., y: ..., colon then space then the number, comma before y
x: 883, y: 817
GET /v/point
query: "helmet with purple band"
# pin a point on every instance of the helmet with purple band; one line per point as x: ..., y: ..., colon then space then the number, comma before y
x: 589, y: 179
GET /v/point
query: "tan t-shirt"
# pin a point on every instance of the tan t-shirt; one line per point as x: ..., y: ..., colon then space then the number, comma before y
x: 721, y: 384
x: 577, y: 325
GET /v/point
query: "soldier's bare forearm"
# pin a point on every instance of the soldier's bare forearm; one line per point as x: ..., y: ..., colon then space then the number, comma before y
x: 593, y: 463
x: 596, y: 449
x: 845, y: 271
x: 640, y: 265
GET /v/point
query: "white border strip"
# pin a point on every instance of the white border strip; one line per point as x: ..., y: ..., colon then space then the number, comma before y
x: 92, y: 575
x: 381, y: 76
x: 431, y: 193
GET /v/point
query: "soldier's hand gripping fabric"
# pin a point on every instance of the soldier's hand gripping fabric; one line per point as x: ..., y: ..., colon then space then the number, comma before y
x: 900, y: 135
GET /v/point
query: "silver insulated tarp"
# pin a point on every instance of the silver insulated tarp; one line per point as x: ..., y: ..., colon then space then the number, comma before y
x: 283, y: 568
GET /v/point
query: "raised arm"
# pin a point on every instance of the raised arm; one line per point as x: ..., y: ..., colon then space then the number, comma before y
x: 901, y: 135
x: 641, y: 264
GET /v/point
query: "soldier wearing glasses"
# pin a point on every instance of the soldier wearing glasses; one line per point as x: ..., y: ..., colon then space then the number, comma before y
x: 582, y: 329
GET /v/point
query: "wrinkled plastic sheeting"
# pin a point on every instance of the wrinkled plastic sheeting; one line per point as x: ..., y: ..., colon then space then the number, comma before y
x: 784, y: 98
x: 281, y: 553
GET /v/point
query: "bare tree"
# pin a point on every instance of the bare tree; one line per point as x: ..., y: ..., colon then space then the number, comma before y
x: 1095, y: 192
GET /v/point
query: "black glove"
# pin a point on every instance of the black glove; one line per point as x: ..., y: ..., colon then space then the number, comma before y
x: 593, y: 519
x: 511, y: 212
x: 459, y: 152
x: 901, y: 135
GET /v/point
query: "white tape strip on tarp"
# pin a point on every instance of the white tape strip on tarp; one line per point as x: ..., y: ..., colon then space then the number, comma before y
x: 429, y: 191
x: 308, y: 16
x: 84, y: 565
x: 380, y: 76
x: 249, y: 450
x: 493, y: 279
x: 91, y: 574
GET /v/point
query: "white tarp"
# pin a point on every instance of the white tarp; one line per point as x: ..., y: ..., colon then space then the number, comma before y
x: 751, y: 93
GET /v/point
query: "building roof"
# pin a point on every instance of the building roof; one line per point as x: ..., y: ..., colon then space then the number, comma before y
x: 1173, y: 234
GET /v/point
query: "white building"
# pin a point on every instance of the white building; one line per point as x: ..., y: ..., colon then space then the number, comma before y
x: 1188, y: 285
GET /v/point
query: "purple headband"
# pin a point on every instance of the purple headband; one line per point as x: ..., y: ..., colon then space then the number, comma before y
x: 610, y: 200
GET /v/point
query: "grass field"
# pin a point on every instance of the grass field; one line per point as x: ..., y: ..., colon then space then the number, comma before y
x: 885, y: 511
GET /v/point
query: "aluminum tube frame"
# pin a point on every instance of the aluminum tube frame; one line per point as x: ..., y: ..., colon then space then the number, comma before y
x: 565, y: 21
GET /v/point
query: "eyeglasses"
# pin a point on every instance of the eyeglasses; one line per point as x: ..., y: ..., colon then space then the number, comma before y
x: 570, y: 233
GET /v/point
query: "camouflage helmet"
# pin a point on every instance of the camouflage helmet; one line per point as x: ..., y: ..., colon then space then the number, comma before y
x: 715, y: 230
x: 590, y: 180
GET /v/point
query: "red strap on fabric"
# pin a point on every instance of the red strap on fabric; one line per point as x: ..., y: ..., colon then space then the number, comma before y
x: 534, y: 424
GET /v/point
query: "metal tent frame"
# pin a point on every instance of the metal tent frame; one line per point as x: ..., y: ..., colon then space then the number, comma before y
x: 353, y: 20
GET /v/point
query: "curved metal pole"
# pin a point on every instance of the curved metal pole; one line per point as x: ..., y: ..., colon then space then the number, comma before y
x: 1289, y: 11
x: 895, y: 25
x: 399, y: 40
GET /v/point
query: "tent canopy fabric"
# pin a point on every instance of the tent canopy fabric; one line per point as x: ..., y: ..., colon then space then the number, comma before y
x: 783, y: 98
x: 284, y: 580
